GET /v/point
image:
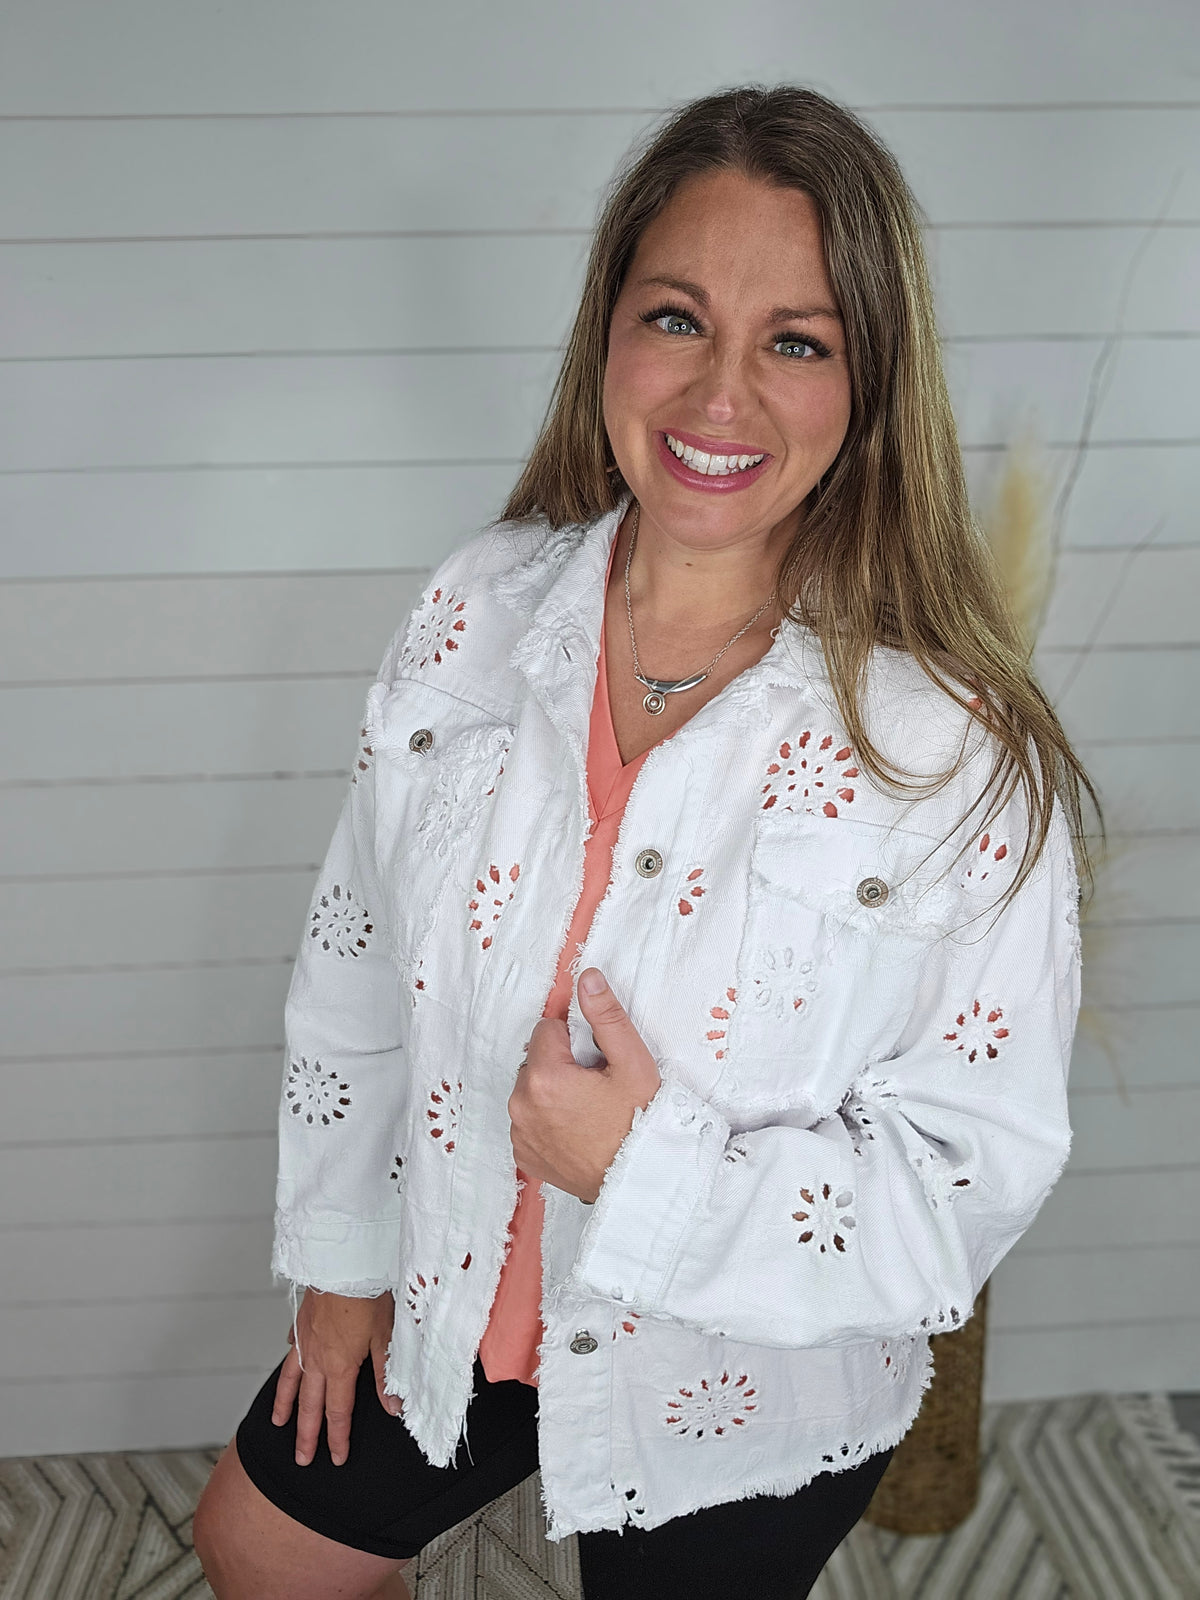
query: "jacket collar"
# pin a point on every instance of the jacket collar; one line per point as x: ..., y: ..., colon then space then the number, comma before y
x: 559, y: 586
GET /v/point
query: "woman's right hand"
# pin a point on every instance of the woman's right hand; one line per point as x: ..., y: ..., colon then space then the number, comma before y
x: 336, y: 1335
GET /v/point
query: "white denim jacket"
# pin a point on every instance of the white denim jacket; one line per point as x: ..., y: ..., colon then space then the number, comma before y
x: 864, y: 1070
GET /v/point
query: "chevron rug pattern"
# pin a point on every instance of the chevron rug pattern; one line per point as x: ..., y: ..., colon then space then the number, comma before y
x: 1091, y: 1498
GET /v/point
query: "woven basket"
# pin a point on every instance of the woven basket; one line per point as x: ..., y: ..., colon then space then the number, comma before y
x: 932, y: 1482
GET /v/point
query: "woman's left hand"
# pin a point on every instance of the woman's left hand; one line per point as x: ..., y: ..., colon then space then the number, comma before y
x: 567, y: 1120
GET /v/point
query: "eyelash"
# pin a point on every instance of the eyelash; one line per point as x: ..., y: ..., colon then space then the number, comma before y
x: 815, y: 345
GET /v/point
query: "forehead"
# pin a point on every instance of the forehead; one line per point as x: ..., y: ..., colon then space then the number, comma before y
x: 728, y: 227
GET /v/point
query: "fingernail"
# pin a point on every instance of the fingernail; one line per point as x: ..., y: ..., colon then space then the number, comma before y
x: 393, y: 1405
x: 592, y: 982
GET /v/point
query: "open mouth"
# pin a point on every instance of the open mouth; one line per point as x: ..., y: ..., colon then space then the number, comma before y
x: 711, y: 465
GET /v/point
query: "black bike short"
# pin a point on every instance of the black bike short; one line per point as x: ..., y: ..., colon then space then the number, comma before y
x: 388, y: 1500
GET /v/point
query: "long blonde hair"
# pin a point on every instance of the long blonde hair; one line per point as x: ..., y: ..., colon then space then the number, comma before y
x: 887, y: 552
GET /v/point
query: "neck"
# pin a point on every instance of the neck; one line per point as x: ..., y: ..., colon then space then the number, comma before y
x: 674, y: 585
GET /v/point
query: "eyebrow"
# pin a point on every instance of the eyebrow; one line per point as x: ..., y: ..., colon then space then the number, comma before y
x: 777, y: 313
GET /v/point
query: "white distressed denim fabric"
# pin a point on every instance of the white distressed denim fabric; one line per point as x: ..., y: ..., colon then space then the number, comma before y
x: 864, y: 1065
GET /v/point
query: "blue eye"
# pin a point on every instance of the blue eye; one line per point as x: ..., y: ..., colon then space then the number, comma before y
x: 672, y: 316
x: 791, y: 342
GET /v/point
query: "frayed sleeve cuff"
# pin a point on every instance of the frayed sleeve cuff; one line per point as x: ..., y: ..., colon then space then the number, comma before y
x: 662, y: 1170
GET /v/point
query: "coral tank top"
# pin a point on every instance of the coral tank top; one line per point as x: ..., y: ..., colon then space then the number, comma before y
x: 509, y: 1348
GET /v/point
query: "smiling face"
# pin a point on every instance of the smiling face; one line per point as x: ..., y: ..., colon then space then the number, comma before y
x: 726, y: 346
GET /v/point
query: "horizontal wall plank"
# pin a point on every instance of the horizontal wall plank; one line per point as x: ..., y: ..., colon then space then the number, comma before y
x: 1146, y: 1130
x: 200, y: 1178
x: 220, y: 627
x: 172, y: 412
x: 1144, y: 786
x: 1142, y: 694
x: 1046, y: 1363
x: 200, y: 1008
x: 298, y: 175
x: 205, y: 297
x: 1141, y: 1048
x: 428, y: 407
x: 154, y: 1097
x: 227, y: 918
x: 137, y: 1413
x: 1117, y: 1208
x: 1108, y: 598
x: 1146, y: 879
x: 1095, y: 1287
x: 128, y: 1262
x: 244, y: 519
x: 363, y: 55
x: 299, y: 725
x: 1008, y: 283
x: 168, y: 827
x: 1134, y: 494
x: 1148, y: 965
x: 155, y: 1335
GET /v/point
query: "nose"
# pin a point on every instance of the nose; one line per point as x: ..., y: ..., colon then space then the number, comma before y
x: 722, y: 390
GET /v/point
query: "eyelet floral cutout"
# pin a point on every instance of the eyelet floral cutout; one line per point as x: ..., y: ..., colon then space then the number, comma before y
x: 417, y: 1295
x: 989, y: 853
x: 437, y: 630
x: 813, y: 777
x: 687, y: 901
x: 317, y: 1097
x: 487, y: 905
x: 442, y: 1113
x: 896, y: 1356
x: 711, y: 1407
x: 720, y: 1015
x: 781, y: 985
x: 634, y: 1510
x: 826, y: 1218
x: 978, y: 1031
x: 339, y: 924
x: 362, y: 761
x: 465, y: 782
x: 941, y: 1182
x: 397, y: 1174
x: 628, y: 1325
x: 847, y: 1451
x: 859, y: 1109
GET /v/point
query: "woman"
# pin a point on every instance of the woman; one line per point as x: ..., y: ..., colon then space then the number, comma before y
x: 681, y: 1241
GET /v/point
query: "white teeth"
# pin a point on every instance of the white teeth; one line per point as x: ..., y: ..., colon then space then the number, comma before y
x: 712, y: 466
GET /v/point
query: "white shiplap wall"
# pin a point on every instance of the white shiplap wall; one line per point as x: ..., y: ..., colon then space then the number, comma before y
x: 280, y: 296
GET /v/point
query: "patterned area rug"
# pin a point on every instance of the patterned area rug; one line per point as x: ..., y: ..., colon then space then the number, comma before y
x: 1091, y: 1498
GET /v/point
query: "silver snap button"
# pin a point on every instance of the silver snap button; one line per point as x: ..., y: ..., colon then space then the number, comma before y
x: 872, y: 892
x: 421, y: 741
x: 583, y: 1344
x: 649, y: 863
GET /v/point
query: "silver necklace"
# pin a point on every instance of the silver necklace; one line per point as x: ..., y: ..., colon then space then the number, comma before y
x: 659, y: 688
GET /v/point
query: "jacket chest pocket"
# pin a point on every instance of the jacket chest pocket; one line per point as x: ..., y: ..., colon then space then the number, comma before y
x: 438, y: 762
x: 841, y: 916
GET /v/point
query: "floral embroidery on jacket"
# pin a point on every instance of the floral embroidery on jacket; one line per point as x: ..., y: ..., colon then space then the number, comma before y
x: 781, y: 984
x: 363, y: 758
x: 988, y: 854
x: 339, y: 924
x: 827, y: 1219
x: 438, y: 627
x: 442, y: 1113
x: 711, y: 1406
x: 487, y: 906
x: 314, y: 1095
x: 465, y: 781
x: 687, y: 901
x: 978, y: 1031
x: 417, y: 1294
x: 814, y: 778
x: 720, y: 1015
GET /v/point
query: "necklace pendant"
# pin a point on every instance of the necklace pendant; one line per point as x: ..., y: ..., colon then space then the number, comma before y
x: 655, y: 703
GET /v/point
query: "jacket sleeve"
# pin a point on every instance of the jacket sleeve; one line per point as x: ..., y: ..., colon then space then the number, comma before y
x: 885, y: 1218
x: 345, y: 1081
